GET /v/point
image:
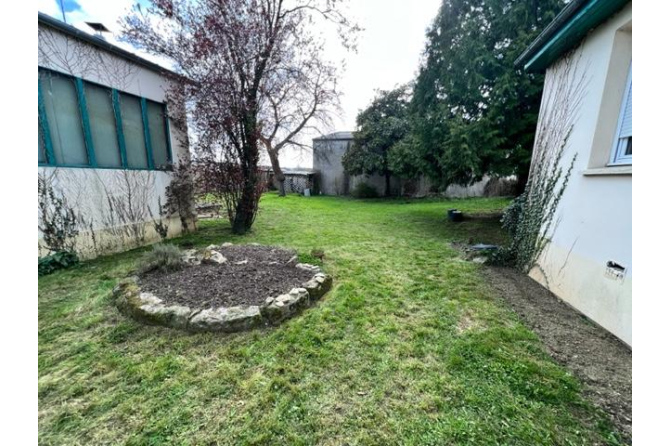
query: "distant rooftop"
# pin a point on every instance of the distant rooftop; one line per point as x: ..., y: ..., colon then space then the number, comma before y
x: 47, y: 20
x: 336, y: 136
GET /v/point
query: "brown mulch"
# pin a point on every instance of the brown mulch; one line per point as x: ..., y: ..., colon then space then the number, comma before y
x: 601, y: 361
x: 251, y: 275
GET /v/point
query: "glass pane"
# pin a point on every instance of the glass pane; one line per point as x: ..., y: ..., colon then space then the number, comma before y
x: 62, y: 108
x: 156, y: 114
x: 133, y: 131
x: 41, y: 156
x: 629, y: 147
x: 103, y: 126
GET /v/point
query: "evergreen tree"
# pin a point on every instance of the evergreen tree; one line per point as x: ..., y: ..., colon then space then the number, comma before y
x: 380, y: 126
x: 472, y: 111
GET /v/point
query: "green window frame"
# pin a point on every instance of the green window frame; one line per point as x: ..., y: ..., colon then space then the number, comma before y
x: 46, y: 146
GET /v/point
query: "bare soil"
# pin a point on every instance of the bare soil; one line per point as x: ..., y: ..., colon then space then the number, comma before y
x: 601, y: 361
x: 251, y: 275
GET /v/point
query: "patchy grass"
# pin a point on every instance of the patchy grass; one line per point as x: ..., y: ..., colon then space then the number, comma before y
x: 409, y: 347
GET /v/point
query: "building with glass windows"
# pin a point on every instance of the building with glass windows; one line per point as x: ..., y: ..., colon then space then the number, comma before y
x: 107, y: 138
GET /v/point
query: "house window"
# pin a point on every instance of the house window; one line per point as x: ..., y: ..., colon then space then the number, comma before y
x: 133, y: 131
x: 103, y: 126
x: 622, y: 153
x: 82, y: 124
x: 158, y: 133
x: 66, y: 133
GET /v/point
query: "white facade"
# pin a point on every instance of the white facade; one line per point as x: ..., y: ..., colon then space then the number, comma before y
x: 92, y: 191
x: 593, y: 224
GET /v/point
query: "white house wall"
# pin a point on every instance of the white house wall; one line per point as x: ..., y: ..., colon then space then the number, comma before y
x: 68, y: 55
x: 593, y: 223
x: 88, y: 190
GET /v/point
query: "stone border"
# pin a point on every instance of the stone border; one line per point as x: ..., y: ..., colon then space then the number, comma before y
x: 150, y: 309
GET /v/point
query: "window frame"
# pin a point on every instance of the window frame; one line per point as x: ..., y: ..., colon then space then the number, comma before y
x: 49, y: 154
x: 618, y: 156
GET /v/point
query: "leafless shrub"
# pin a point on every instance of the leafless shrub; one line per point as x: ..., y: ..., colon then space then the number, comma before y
x: 180, y: 195
x: 222, y: 182
x: 160, y: 224
x: 57, y: 220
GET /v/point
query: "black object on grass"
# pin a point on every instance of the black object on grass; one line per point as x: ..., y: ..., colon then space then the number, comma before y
x: 454, y: 215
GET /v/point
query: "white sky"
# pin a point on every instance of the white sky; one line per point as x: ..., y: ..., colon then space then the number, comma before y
x: 389, y: 49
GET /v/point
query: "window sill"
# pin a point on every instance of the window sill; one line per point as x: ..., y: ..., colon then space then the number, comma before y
x: 74, y: 166
x: 606, y: 171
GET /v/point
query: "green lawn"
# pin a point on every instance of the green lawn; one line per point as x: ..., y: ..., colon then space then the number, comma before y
x: 409, y: 348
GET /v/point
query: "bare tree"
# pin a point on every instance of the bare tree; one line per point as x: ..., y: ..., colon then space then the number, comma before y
x: 301, y: 94
x: 228, y: 53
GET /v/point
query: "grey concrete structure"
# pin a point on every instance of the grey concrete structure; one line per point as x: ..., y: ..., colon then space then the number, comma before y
x: 333, y: 180
x: 327, y: 159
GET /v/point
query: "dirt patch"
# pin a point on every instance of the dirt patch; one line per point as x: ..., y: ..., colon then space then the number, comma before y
x: 250, y: 275
x: 466, y: 323
x: 600, y: 360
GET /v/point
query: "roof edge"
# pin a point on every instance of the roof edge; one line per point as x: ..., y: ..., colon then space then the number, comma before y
x: 566, y: 31
x: 70, y: 30
x: 336, y: 136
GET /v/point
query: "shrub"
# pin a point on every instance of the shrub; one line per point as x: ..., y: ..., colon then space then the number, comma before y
x: 224, y: 183
x: 163, y: 257
x: 56, y: 219
x: 512, y: 215
x: 180, y: 195
x: 364, y: 190
x: 54, y: 262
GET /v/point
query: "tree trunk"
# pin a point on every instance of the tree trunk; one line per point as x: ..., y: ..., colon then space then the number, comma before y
x: 248, y: 204
x: 276, y: 169
x: 246, y: 207
x: 387, y: 176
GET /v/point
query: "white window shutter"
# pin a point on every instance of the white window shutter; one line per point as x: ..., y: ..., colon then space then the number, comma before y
x: 627, y: 118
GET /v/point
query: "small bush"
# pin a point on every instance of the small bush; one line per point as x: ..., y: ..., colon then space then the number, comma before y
x: 54, y: 262
x: 162, y: 257
x: 364, y: 190
x: 180, y: 195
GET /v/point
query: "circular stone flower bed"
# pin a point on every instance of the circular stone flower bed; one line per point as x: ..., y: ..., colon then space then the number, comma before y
x: 224, y: 288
